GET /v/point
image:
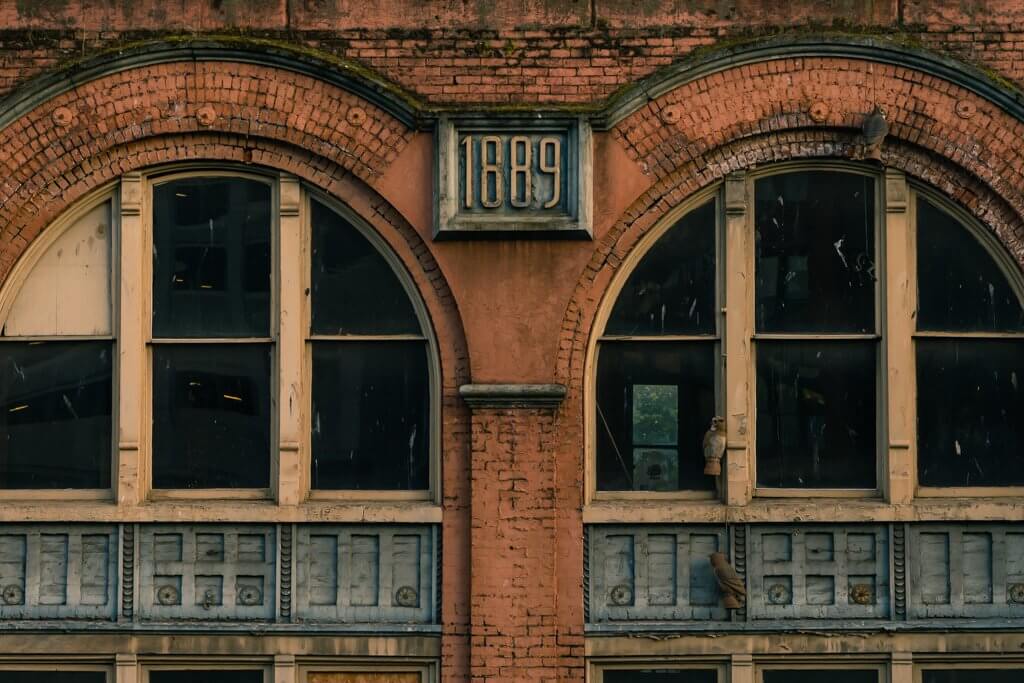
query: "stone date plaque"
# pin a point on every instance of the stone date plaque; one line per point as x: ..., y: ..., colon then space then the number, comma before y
x: 528, y: 177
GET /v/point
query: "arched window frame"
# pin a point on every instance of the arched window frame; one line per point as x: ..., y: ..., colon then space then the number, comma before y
x: 132, y: 301
x: 896, y: 303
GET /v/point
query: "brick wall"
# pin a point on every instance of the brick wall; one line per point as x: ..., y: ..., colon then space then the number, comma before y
x: 516, y: 312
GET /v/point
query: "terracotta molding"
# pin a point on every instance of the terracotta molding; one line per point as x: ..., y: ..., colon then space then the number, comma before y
x: 513, y: 395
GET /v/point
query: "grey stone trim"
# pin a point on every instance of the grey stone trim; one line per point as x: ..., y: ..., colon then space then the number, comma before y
x: 513, y: 395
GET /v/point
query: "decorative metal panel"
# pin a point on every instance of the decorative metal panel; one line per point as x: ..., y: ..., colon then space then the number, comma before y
x: 966, y: 570
x: 365, y: 574
x: 58, y: 572
x: 206, y: 572
x: 654, y: 573
x: 818, y: 572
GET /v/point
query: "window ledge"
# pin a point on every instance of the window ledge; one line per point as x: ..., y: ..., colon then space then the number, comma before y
x: 805, y: 510
x: 236, y: 512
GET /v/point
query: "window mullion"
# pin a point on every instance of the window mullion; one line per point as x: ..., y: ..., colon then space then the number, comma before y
x: 131, y: 325
x: 290, y: 387
x: 739, y: 297
x: 900, y: 295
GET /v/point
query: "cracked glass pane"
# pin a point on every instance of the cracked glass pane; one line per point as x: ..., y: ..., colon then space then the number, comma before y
x: 815, y: 258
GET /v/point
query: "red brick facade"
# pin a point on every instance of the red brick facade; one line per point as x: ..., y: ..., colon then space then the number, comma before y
x: 517, y: 312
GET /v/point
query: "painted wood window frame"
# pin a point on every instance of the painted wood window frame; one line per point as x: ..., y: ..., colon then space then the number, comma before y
x: 839, y: 663
x: 896, y: 304
x: 954, y: 662
x: 427, y: 669
x: 131, y: 297
x: 17, y: 278
x: 1014, y: 278
x: 720, y: 666
x: 143, y: 669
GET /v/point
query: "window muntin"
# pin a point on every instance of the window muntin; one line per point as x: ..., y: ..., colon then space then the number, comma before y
x: 370, y: 424
x: 815, y: 283
x: 657, y: 365
x: 969, y: 348
x: 211, y: 282
x: 56, y: 377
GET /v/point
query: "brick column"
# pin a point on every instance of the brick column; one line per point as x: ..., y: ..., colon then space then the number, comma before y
x: 513, y: 585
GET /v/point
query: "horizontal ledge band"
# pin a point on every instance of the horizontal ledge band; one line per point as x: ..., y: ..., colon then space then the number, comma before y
x: 513, y: 395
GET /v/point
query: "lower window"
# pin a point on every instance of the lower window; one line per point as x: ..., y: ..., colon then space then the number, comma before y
x: 207, y: 676
x: 820, y: 676
x: 978, y: 675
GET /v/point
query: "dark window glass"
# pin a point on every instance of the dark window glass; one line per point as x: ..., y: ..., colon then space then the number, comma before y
x: 660, y: 676
x: 960, y: 285
x: 355, y: 291
x: 55, y: 424
x: 370, y: 415
x: 672, y: 290
x: 210, y: 676
x: 820, y: 676
x: 655, y: 400
x: 970, y: 412
x: 973, y: 676
x: 211, y: 258
x: 815, y: 256
x: 52, y: 677
x: 211, y: 415
x: 816, y: 414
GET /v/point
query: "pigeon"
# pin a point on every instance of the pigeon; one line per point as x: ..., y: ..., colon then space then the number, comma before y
x: 729, y: 582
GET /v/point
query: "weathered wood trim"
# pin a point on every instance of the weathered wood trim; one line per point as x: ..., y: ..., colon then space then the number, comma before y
x: 739, y: 329
x: 524, y: 396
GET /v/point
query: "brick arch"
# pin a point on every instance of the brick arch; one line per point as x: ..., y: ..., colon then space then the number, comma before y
x: 52, y: 148
x: 793, y: 108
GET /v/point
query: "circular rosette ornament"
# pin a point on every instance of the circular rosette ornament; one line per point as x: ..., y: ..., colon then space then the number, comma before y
x: 12, y: 594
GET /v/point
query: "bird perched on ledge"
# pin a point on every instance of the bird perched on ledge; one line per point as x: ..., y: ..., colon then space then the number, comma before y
x: 729, y: 582
x: 873, y: 132
x: 714, y: 446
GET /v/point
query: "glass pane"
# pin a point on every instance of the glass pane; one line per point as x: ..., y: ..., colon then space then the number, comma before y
x: 816, y: 414
x: 815, y: 258
x: 209, y: 676
x: 52, y: 676
x: 973, y: 676
x: 211, y: 416
x: 819, y: 676
x: 211, y: 258
x: 355, y: 291
x: 55, y: 415
x: 672, y: 290
x: 960, y: 285
x: 655, y: 400
x: 660, y: 676
x: 970, y: 412
x: 370, y: 419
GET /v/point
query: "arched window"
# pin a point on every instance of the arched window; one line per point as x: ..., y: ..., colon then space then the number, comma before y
x: 56, y: 381
x: 805, y: 361
x: 204, y: 330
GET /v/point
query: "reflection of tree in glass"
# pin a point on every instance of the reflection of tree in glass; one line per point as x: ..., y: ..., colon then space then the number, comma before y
x: 655, y: 414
